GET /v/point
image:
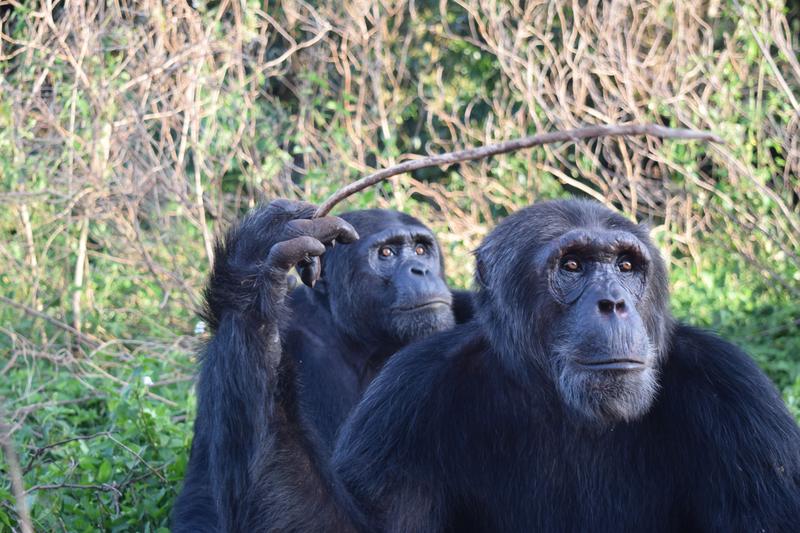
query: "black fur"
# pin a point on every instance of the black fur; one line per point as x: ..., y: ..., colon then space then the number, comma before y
x: 475, y: 429
x: 282, y: 370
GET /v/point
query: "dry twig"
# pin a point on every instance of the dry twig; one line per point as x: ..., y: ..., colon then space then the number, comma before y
x: 83, y: 337
x: 17, y: 484
x: 504, y: 147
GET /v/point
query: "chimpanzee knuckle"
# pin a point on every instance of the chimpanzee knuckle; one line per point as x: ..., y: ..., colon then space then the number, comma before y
x: 346, y: 233
x: 286, y: 254
x: 326, y: 228
x: 298, y: 227
x: 329, y: 228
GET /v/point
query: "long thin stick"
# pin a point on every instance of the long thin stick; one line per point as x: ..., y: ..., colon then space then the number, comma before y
x: 83, y: 337
x: 509, y: 146
x: 15, y: 475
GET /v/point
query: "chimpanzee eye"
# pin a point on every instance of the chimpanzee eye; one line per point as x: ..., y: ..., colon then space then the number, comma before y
x: 625, y: 265
x: 385, y: 251
x: 571, y: 264
x: 420, y: 249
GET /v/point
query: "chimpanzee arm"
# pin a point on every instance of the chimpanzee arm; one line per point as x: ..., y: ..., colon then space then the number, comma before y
x: 399, y: 453
x: 745, y: 444
x: 240, y: 388
x: 463, y: 305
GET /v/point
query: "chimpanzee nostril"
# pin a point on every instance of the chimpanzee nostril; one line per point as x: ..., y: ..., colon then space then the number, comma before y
x: 609, y: 307
x: 606, y: 307
x: 419, y: 270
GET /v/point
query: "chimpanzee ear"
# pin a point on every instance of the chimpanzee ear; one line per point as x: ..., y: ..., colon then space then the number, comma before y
x: 481, y: 275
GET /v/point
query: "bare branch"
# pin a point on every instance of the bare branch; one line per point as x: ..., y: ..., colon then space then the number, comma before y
x: 472, y: 154
x: 83, y: 337
x: 105, y: 487
x: 141, y: 459
x: 37, y: 452
x: 17, y: 484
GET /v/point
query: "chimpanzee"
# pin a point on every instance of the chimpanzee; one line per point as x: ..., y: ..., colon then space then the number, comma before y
x: 572, y: 402
x: 282, y: 371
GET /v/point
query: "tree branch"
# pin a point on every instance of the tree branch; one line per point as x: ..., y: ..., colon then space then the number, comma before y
x: 17, y: 484
x: 481, y: 152
x: 83, y: 337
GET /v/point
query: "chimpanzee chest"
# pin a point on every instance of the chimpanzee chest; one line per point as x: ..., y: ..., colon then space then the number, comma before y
x: 596, y: 482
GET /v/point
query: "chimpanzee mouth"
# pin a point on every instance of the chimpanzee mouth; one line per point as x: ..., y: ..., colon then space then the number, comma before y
x: 613, y: 364
x: 429, y: 304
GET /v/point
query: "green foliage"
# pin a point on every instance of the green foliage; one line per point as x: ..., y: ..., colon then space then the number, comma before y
x: 721, y: 293
x: 116, y: 455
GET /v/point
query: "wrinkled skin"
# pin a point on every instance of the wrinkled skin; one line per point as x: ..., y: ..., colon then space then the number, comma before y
x: 284, y: 367
x: 573, y: 402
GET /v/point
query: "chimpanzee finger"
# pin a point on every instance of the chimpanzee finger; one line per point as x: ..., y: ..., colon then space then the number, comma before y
x: 324, y: 229
x: 284, y: 255
x: 310, y: 271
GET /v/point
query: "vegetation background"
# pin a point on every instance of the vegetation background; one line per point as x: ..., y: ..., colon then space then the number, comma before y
x: 132, y: 132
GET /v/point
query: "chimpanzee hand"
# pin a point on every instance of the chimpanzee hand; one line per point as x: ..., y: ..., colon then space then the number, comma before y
x: 306, y: 239
x: 252, y: 264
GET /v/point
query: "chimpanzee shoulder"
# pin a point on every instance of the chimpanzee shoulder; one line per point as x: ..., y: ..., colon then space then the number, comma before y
x: 704, y: 369
x: 724, y: 417
x: 432, y: 403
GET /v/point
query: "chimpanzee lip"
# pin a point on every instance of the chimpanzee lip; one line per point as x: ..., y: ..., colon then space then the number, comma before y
x: 613, y: 364
x: 422, y: 305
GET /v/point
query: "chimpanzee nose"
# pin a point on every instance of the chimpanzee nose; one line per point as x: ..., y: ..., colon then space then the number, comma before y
x: 419, y: 270
x: 609, y: 307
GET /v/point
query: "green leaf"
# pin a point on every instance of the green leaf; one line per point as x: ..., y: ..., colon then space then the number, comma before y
x: 104, y: 472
